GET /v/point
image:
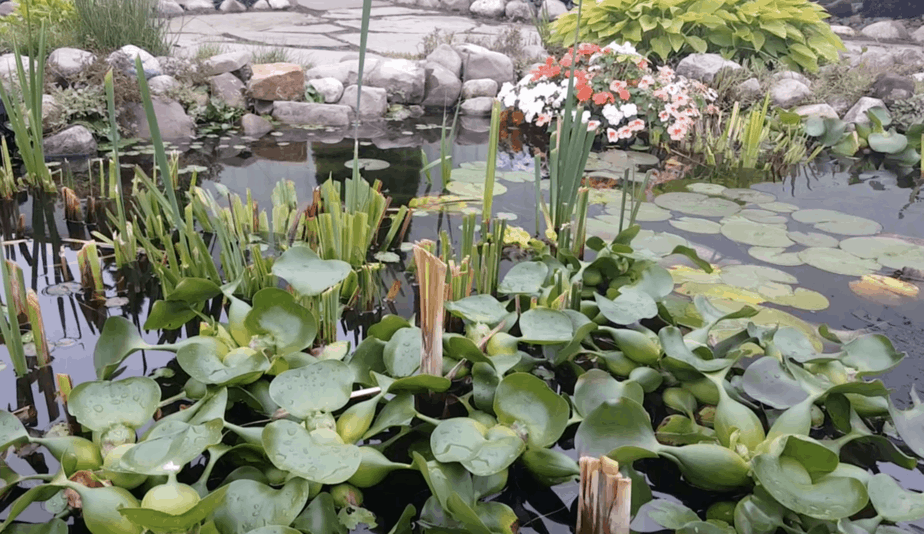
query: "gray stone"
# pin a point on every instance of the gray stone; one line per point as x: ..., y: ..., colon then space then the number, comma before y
x: 337, y: 71
x: 787, y: 93
x: 843, y: 31
x: 169, y: 8
x: 447, y: 56
x: 534, y: 52
x: 402, y: 79
x: 908, y: 57
x: 488, y: 8
x: 229, y: 89
x: 228, y: 62
x: 255, y: 125
x: 280, y: 4
x: 70, y: 62
x: 519, y: 11
x: 555, y: 8
x: 704, y: 67
x: 886, y: 29
x: 51, y: 111
x: 873, y: 59
x: 374, y: 102
x: 162, y: 84
x: 442, y: 88
x: 8, y: 67
x: 478, y: 107
x: 261, y: 5
x: 176, y: 66
x: 277, y: 81
x: 7, y: 8
x: 476, y: 88
x: 749, y: 89
x: 841, y: 104
x: 790, y: 75
x: 817, y: 110
x: 330, y: 88
x: 857, y: 113
x: 174, y: 123
x: 199, y: 5
x: 918, y: 35
x: 456, y: 5
x: 352, y: 66
x: 263, y: 107
x: 297, y: 113
x: 232, y: 6
x: 479, y: 62
x: 74, y: 141
x: 840, y: 8
x: 124, y: 60
x: 890, y: 87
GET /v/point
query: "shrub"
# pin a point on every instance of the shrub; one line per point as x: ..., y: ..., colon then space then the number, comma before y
x: 111, y: 24
x: 24, y: 25
x: 792, y: 32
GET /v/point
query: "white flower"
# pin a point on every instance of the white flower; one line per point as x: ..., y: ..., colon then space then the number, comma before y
x: 612, y: 114
x: 629, y: 110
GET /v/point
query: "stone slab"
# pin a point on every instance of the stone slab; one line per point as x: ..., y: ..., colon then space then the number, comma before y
x: 387, y: 43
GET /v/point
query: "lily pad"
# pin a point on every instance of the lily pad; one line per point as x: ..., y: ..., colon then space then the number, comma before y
x: 367, y: 164
x: 518, y: 177
x: 837, y: 261
x: 748, y: 196
x: 103, y: 404
x: 318, y: 456
x: 779, y: 207
x: 323, y: 386
x: 776, y: 256
x: 657, y: 245
x: 647, y: 212
x: 524, y: 399
x: 813, y: 239
x: 697, y: 226
x: 706, y: 188
x: 697, y: 204
x: 756, y: 234
x: 307, y: 273
x: 745, y: 275
x: 473, y: 176
x: 884, y: 289
x: 803, y: 299
x: 473, y: 190
x: 762, y: 216
x: 888, y: 251
x: 387, y: 257
x: 835, y: 222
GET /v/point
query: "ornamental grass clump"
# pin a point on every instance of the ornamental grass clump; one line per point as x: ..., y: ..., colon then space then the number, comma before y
x: 618, y: 89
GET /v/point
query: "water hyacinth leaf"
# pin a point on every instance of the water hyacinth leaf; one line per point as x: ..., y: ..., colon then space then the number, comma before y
x: 462, y: 348
x: 420, y: 384
x: 524, y: 399
x: 794, y: 344
x: 99, y: 507
x: 173, y: 447
x: 118, y: 340
x: 675, y: 348
x: 399, y: 411
x: 457, y: 439
x: 596, y: 386
x: 320, y: 517
x: 768, y: 382
x: 793, y: 472
x: 445, y: 480
x: 543, y: 326
x: 249, y: 505
x: 55, y: 526
x: 813, y: 239
x: 627, y: 308
x: 748, y: 196
x: 324, y: 386
x: 101, y: 405
x: 893, y: 502
x: 890, y: 142
x: 693, y: 256
x: 910, y: 423
x: 680, y: 430
x: 756, y: 234
x: 696, y: 226
x: 650, y: 278
x: 209, y: 362
x: 169, y: 315
x: 617, y: 428
x: 642, y: 347
x: 836, y: 222
x: 871, y: 354
x: 373, y: 468
x: 280, y: 322
x: 657, y: 245
x: 697, y: 204
x: 318, y: 456
x: 524, y: 279
x: 12, y: 431
x: 155, y: 520
x: 402, y: 352
x: 307, y: 273
x: 776, y: 256
x: 193, y: 290
x: 837, y: 261
x: 549, y: 466
x: 39, y: 493
x: 668, y: 514
x: 387, y: 327
x: 502, y: 448
x: 478, y: 309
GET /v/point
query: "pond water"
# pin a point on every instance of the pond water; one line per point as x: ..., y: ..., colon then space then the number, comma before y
x: 73, y: 323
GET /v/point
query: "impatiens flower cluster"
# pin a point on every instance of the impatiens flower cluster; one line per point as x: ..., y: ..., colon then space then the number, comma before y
x: 622, y: 94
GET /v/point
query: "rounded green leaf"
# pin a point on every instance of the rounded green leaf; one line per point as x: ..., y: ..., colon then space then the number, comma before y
x: 748, y: 196
x: 170, y: 448
x: 194, y: 290
x: 307, y: 273
x: 836, y: 222
x: 709, y: 466
x: 596, y: 386
x: 890, y: 142
x: 696, y: 226
x: 779, y: 207
x: 647, y: 212
x: 478, y: 309
x: 813, y: 239
x: 280, y: 323
x: 627, y: 308
x: 776, y: 256
x: 324, y: 386
x: 893, y: 502
x: 367, y: 164
x: 706, y: 188
x: 524, y: 278
x: 834, y: 260
x: 317, y: 456
x: 473, y: 190
x: 766, y: 381
x: 457, y: 439
x: 118, y: 340
x: 890, y: 252
x: 206, y: 362
x: 762, y: 216
x: 249, y: 505
x: 103, y: 404
x: 12, y: 430
x: 756, y: 234
x: 697, y: 204
x: 525, y: 399
x: 871, y: 354
x: 157, y: 521
x: 502, y: 447
x: 543, y: 326
x: 402, y: 352
x: 619, y: 428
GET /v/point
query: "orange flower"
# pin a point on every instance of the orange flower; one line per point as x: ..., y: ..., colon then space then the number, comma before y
x: 602, y: 98
x: 566, y: 60
x: 585, y: 92
x: 623, y: 94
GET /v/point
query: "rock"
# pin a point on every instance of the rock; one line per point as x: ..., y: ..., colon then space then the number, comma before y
x: 476, y: 88
x: 280, y: 4
x: 790, y: 75
x: 478, y: 107
x: 749, y: 89
x: 908, y: 57
x: 843, y: 31
x: 315, y: 114
x: 535, y: 52
x: 857, y: 113
x: 337, y: 71
x: 787, y: 93
x: 817, y: 110
x: 74, y: 141
x: 456, y: 5
x: 374, y: 101
x: 169, y: 8
x: 228, y: 62
x: 162, y: 84
x: 7, y: 8
x: 402, y: 79
x: 442, y: 88
x: 873, y: 59
x: 199, y: 5
x: 555, y: 8
x: 488, y: 8
x: 479, y: 62
x: 255, y: 125
x: 890, y: 87
x: 704, y: 67
x: 8, y: 67
x: 840, y: 8
x: 68, y: 63
x: 229, y: 89
x: 886, y: 29
x: 124, y: 60
x: 841, y: 104
x: 330, y: 88
x: 261, y: 5
x: 519, y: 11
x: 176, y: 66
x: 447, y: 56
x: 173, y: 122
x: 232, y: 6
x: 918, y: 35
x: 263, y: 107
x: 51, y: 111
x: 352, y: 66
x: 277, y: 81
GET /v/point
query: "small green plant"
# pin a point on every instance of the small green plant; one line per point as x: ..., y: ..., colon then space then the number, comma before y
x: 270, y: 54
x: 792, y: 32
x: 22, y: 26
x: 207, y: 50
x: 312, y: 95
x: 84, y: 105
x: 111, y: 24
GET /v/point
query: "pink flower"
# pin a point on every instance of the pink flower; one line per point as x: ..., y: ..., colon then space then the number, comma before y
x: 592, y: 126
x: 712, y: 109
x: 618, y: 85
x: 646, y: 82
x: 664, y: 116
x: 681, y: 99
x: 612, y: 135
x: 625, y: 133
x: 665, y: 72
x: 637, y: 125
x: 677, y: 131
x: 543, y: 119
x: 661, y: 94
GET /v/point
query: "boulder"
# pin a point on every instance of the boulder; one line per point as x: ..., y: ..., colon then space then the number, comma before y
x: 817, y: 110
x: 277, y: 81
x: 535, y: 52
x: 330, y: 88
x: 297, y: 113
x: 479, y: 62
x: 791, y: 75
x: 74, y: 141
x: 229, y: 89
x: 261, y: 5
x: 7, y: 8
x: 280, y: 4
x: 890, y: 87
x: 555, y: 8
x: 442, y: 88
x: 337, y: 71
x: 176, y: 66
x: 840, y: 8
x: 169, y: 8
x: 787, y: 93
x: 402, y: 79
x: 8, y: 66
x: 456, y: 5
x: 857, y: 113
x: 374, y: 102
x: 232, y: 6
x: 886, y: 29
x: 841, y: 104
x: 173, y: 122
x: 919, y: 77
x: 478, y: 106
x: 749, y: 89
x: 488, y: 8
x: 918, y: 35
x: 352, y: 66
x: 199, y: 5
x: 476, y: 88
x: 223, y: 63
x: 124, y: 60
x: 843, y: 31
x: 162, y: 84
x: 51, y: 111
x: 519, y: 11
x: 873, y: 59
x: 255, y: 125
x: 908, y: 57
x: 704, y: 67
x: 68, y: 63
x: 447, y: 56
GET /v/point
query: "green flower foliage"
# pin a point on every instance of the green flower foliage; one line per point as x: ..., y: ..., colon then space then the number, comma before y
x: 792, y: 32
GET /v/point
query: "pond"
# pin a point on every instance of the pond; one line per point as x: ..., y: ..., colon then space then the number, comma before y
x: 867, y: 201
